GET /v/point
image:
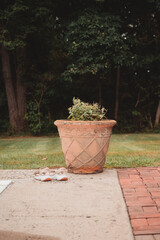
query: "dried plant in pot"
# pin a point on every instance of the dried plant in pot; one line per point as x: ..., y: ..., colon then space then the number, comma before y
x: 85, y: 137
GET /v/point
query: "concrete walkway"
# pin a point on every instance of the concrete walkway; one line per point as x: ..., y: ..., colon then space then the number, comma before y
x: 86, y: 207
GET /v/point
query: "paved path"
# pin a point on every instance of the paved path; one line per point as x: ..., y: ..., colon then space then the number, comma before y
x: 94, y: 203
x: 141, y: 190
x: 86, y: 207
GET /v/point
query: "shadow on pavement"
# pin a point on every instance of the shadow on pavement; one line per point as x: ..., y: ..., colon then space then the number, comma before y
x: 8, y: 235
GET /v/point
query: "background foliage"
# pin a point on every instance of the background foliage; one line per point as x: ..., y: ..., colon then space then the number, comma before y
x: 99, y: 51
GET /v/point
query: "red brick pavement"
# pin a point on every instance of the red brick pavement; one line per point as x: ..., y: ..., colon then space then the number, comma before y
x: 141, y: 191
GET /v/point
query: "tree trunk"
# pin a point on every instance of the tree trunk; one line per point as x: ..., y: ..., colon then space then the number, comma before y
x: 117, y: 93
x: 21, y: 101
x: 21, y: 97
x: 157, y: 119
x: 10, y: 92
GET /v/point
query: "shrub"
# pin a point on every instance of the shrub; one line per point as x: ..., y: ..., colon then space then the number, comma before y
x: 85, y: 111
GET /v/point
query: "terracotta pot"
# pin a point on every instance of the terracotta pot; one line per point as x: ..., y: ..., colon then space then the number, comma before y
x: 85, y: 144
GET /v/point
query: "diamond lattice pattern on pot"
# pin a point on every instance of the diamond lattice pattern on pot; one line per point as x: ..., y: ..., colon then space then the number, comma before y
x: 91, y: 150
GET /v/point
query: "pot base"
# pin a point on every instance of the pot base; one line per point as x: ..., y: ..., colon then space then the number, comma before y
x: 85, y: 170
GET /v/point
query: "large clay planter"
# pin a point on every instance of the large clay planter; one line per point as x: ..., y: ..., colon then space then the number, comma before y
x: 85, y: 144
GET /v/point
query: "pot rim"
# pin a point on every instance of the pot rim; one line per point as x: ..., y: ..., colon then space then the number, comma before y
x: 74, y: 122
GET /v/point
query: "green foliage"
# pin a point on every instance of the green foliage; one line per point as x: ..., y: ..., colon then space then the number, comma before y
x: 32, y: 118
x: 38, y: 122
x: 95, y: 43
x: 85, y: 111
x: 20, y: 19
x: 4, y: 124
x: 136, y: 113
x: 99, y: 36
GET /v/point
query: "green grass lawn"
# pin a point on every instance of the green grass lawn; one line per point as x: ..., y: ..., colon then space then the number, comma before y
x: 125, y: 150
